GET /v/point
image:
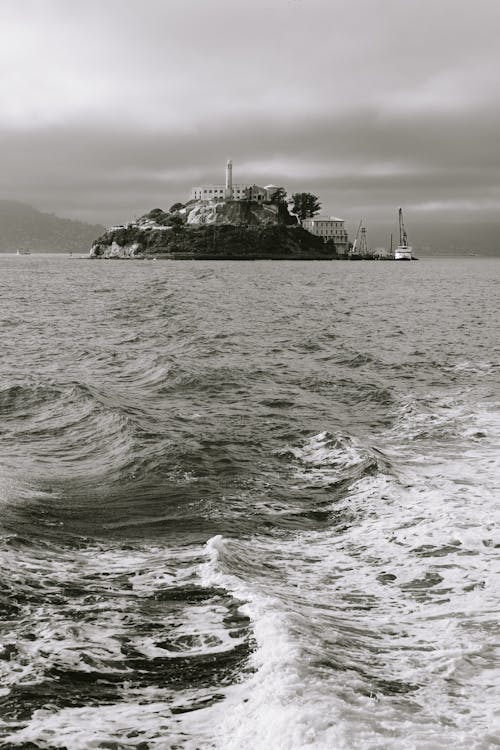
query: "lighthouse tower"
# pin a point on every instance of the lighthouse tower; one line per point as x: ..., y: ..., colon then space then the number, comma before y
x: 229, y: 180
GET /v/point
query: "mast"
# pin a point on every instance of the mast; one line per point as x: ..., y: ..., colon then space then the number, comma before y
x: 403, y: 250
x: 353, y: 249
x: 403, y: 239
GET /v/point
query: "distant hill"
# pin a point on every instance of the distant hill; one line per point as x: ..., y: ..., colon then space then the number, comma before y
x: 23, y: 226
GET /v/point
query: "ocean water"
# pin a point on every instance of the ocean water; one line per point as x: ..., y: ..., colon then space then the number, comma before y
x: 249, y: 506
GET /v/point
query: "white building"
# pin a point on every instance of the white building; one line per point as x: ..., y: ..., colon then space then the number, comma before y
x: 232, y: 192
x: 239, y: 193
x: 330, y: 228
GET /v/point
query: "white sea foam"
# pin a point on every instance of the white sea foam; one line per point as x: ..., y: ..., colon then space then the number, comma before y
x: 383, y: 634
x: 275, y: 707
x: 328, y: 458
x: 126, y: 725
x: 120, y: 604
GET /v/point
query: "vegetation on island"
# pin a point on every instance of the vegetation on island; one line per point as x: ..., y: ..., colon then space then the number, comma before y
x: 305, y: 205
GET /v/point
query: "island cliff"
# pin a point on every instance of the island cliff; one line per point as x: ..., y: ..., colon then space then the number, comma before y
x: 213, y: 230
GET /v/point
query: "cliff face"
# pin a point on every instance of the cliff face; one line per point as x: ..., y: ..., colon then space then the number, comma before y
x: 129, y: 242
x: 130, y: 250
x: 237, y: 213
x: 133, y: 240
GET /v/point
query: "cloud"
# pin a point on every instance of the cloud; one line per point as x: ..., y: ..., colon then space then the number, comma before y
x: 109, y: 108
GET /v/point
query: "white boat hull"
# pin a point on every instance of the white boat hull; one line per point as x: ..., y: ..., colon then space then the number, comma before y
x: 403, y: 252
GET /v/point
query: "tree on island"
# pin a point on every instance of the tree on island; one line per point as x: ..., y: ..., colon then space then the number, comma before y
x: 155, y: 213
x: 278, y: 196
x: 176, y: 222
x: 305, y: 205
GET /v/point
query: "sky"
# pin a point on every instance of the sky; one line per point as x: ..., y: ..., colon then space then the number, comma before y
x: 109, y: 108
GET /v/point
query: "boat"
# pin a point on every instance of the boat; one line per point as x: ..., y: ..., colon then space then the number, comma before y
x: 403, y: 250
x: 23, y: 251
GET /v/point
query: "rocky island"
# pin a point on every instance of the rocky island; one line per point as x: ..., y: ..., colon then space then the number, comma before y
x: 239, y: 230
x: 222, y: 222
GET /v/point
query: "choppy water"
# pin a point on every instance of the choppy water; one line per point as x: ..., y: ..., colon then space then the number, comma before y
x: 249, y: 505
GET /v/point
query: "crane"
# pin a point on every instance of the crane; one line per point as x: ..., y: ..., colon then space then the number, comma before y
x: 355, y: 243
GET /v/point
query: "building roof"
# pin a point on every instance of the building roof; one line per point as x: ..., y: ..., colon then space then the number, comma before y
x: 324, y: 218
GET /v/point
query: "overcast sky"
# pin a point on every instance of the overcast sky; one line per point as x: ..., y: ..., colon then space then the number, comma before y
x: 111, y: 107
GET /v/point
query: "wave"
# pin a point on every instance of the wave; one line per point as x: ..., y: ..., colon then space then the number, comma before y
x: 355, y: 359
x: 70, y: 428
x: 92, y: 634
x: 329, y: 458
x: 443, y: 419
x: 348, y: 390
x: 17, y: 400
x: 367, y: 631
x: 360, y: 633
